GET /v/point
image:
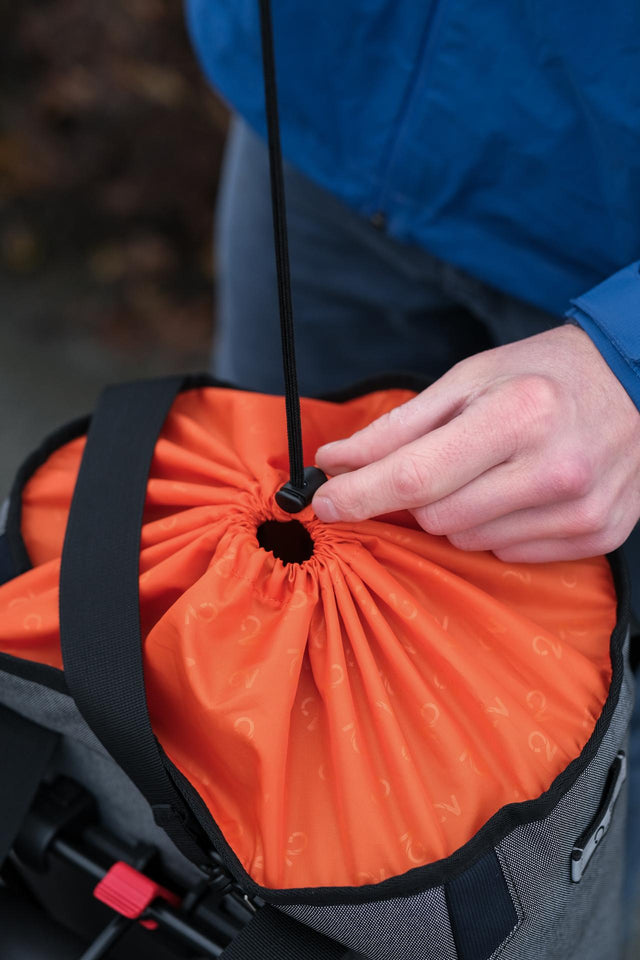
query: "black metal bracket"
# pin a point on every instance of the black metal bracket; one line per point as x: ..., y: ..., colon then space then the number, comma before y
x: 61, y: 825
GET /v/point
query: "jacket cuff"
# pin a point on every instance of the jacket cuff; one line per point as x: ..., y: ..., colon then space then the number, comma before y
x: 610, y: 315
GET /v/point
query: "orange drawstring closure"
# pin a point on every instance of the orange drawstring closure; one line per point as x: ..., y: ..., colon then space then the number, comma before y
x: 351, y: 716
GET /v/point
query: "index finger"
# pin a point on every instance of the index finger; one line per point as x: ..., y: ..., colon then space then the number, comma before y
x: 397, y: 427
x: 424, y: 470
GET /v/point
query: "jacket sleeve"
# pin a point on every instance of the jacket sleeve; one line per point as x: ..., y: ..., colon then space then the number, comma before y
x: 610, y: 314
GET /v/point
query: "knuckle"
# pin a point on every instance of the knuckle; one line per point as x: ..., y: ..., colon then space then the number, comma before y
x: 394, y: 418
x: 380, y: 425
x: 592, y: 516
x: 571, y: 477
x: 465, y: 541
x: 535, y: 401
x: 615, y: 536
x: 342, y: 498
x: 391, y: 421
x: 603, y: 542
x: 442, y: 518
x: 433, y: 519
x: 407, y: 479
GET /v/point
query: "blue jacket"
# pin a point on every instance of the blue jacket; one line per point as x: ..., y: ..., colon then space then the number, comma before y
x: 502, y: 136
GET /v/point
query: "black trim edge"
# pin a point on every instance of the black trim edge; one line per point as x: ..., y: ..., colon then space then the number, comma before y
x: 39, y: 673
x: 65, y: 434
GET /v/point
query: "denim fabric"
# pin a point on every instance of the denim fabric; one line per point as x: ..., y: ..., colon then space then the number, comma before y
x: 364, y: 304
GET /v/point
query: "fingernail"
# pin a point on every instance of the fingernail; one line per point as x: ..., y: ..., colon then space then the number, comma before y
x: 325, y: 509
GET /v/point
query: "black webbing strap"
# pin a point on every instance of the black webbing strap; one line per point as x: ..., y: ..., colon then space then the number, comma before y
x: 481, y: 909
x: 99, y: 596
x: 634, y: 645
x: 7, y: 568
x: 25, y: 751
x: 271, y: 935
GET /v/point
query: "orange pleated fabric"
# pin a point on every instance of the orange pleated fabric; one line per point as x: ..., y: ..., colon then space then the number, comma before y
x: 349, y: 717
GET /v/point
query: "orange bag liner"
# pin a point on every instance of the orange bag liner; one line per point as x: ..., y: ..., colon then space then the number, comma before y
x: 352, y: 716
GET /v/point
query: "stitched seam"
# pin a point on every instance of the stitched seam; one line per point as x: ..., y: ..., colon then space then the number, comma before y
x: 515, y: 898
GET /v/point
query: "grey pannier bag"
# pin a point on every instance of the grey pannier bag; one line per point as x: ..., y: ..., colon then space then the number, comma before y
x: 540, y: 878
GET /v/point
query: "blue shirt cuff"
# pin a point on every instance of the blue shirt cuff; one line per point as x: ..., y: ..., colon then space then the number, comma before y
x: 610, y: 315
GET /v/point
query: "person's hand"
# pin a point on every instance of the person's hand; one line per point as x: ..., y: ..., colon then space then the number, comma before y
x: 531, y: 450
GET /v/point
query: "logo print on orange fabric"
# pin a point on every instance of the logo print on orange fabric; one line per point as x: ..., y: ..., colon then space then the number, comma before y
x: 383, y: 705
x: 403, y: 606
x: 386, y: 683
x: 452, y: 807
x: 522, y: 575
x: 244, y: 679
x: 466, y: 759
x: 371, y: 878
x: 294, y: 661
x: 296, y: 844
x: 430, y: 712
x: 309, y: 709
x: 540, y: 743
x: 350, y: 728
x: 245, y: 726
x: 249, y: 630
x: 298, y: 600
x: 224, y: 566
x: 19, y: 600
x: 204, y: 612
x: 32, y: 621
x: 537, y: 703
x: 338, y: 675
x: 415, y: 851
x: 497, y: 709
x: 545, y: 645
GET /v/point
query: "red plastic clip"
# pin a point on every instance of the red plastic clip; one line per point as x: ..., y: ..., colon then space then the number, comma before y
x: 129, y: 892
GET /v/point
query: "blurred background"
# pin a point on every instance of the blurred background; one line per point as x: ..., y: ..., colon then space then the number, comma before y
x: 110, y: 148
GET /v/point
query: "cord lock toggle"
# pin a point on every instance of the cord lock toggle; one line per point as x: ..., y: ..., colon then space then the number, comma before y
x: 294, y: 499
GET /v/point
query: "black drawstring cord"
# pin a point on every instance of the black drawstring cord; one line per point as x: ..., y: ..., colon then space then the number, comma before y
x: 297, y: 493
